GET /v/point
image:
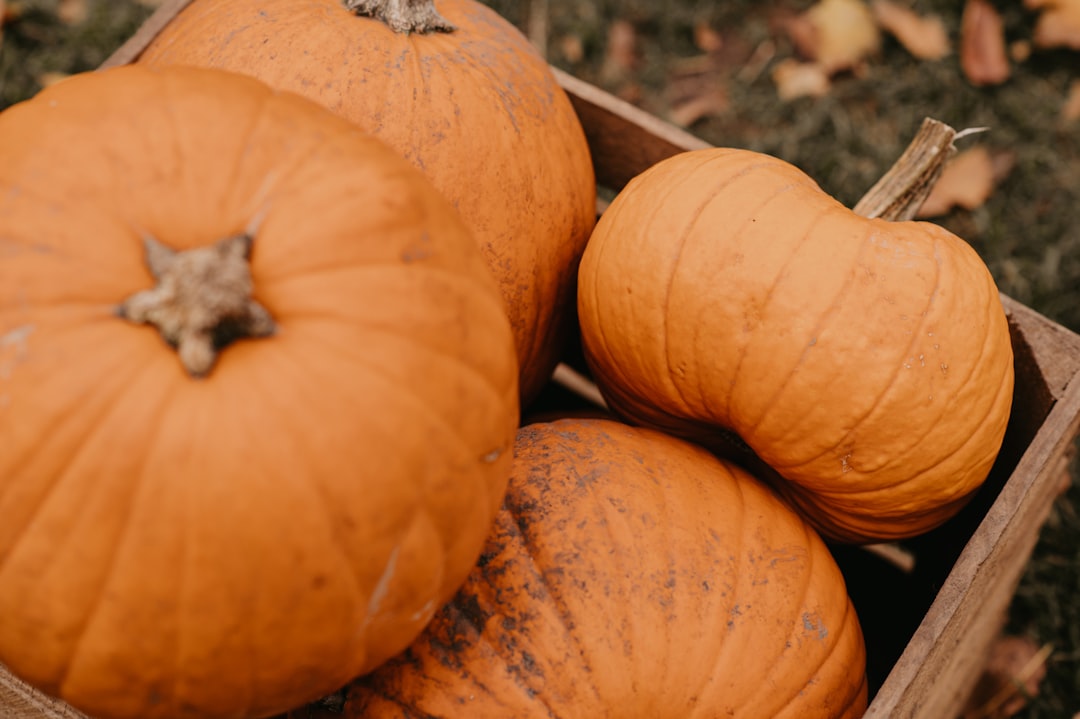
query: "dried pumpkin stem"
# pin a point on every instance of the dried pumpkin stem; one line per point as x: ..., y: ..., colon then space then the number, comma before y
x: 202, y: 300
x: 403, y: 16
x: 901, y: 191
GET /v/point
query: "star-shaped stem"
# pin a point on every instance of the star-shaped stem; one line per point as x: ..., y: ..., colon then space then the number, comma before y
x: 202, y: 300
x: 404, y: 16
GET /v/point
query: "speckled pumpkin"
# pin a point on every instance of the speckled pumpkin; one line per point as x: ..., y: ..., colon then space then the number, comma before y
x: 867, y: 362
x: 477, y: 108
x: 232, y: 534
x: 632, y: 575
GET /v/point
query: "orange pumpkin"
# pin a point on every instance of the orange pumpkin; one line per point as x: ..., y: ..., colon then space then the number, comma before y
x: 633, y: 575
x: 867, y: 362
x: 476, y: 108
x: 245, y: 528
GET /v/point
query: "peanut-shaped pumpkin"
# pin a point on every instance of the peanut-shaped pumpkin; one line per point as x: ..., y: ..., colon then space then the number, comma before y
x: 867, y: 362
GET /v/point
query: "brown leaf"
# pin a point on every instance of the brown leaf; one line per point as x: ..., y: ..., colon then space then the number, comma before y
x: 572, y: 48
x: 710, y: 99
x: 1014, y: 669
x: 621, y: 58
x: 836, y: 34
x: 72, y: 12
x: 46, y: 79
x: 708, y: 39
x: 967, y: 181
x: 1070, y: 111
x: 924, y: 37
x: 795, y: 79
x: 982, y: 44
x: 1058, y: 24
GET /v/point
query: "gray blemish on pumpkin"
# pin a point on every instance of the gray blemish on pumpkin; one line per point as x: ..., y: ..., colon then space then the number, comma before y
x: 492, y: 455
x: 813, y: 624
x: 845, y: 465
x: 14, y: 342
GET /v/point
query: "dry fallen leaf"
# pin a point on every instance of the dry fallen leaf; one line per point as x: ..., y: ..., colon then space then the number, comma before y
x: 621, y: 56
x: 707, y: 38
x: 51, y: 78
x: 572, y: 48
x: 1058, y: 24
x: 836, y: 34
x: 982, y: 44
x: 924, y: 37
x: 1015, y: 668
x: 967, y: 181
x: 709, y: 99
x: 800, y: 79
x: 72, y: 12
x: 1070, y: 111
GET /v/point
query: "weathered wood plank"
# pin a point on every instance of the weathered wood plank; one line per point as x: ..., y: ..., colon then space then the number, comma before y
x: 942, y: 661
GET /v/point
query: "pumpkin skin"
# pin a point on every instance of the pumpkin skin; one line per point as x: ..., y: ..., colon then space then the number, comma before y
x: 477, y: 109
x: 867, y: 363
x: 633, y: 575
x: 243, y: 543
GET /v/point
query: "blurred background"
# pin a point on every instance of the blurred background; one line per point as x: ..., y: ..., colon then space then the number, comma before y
x: 837, y: 87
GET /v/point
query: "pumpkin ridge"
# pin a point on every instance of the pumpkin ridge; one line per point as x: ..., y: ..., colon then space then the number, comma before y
x: 820, y: 323
x: 736, y: 552
x: 706, y: 160
x: 797, y: 630
x: 747, y: 432
x: 380, y: 370
x: 77, y: 446
x: 968, y: 438
x: 124, y: 535
x: 551, y: 591
x: 887, y: 386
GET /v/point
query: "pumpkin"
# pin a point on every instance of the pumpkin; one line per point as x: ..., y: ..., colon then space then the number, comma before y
x: 474, y: 105
x: 242, y: 523
x: 726, y: 298
x: 633, y: 575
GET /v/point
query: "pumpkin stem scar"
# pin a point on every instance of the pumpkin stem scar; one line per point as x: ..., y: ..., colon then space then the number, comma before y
x: 403, y: 16
x: 202, y: 300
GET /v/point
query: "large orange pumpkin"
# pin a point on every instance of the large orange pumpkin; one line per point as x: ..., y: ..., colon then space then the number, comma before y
x: 867, y: 362
x: 246, y: 527
x: 476, y: 108
x: 632, y: 575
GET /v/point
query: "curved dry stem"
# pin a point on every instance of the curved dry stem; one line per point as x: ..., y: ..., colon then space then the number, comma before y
x: 403, y: 16
x: 202, y: 300
x: 901, y: 191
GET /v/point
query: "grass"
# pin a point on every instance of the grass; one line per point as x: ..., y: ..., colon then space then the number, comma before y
x: 1028, y: 232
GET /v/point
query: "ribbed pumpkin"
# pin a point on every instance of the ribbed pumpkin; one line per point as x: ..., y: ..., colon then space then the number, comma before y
x: 867, y: 362
x: 476, y: 108
x: 243, y: 528
x: 632, y: 575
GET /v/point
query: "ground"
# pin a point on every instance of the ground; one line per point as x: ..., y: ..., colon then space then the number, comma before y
x: 655, y: 55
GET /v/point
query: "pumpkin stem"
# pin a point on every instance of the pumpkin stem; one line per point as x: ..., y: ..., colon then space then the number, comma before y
x: 403, y: 16
x: 202, y: 300
x: 901, y: 191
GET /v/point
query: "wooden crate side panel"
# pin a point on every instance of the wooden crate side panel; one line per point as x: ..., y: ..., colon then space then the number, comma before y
x: 19, y: 700
x: 943, y: 659
x: 130, y: 50
x: 624, y: 139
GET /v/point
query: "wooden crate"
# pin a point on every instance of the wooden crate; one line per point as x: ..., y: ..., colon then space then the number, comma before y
x: 927, y: 626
